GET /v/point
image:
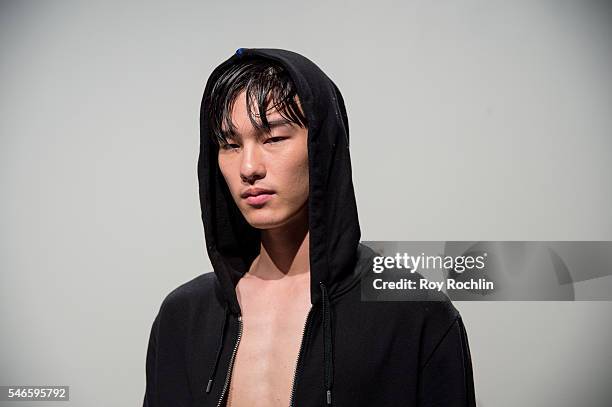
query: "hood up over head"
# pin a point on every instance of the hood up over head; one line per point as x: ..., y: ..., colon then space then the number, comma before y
x: 233, y: 244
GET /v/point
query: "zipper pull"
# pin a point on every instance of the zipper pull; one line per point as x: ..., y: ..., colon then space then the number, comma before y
x: 329, y: 397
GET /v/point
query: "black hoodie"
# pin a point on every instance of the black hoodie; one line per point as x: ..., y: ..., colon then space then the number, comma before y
x: 353, y: 353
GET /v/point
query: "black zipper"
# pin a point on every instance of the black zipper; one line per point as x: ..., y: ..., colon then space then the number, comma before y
x: 297, y: 363
x: 231, y: 365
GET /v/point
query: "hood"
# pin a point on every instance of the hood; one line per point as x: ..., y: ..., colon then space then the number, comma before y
x: 233, y: 244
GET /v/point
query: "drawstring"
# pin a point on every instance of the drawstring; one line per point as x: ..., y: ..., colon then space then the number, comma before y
x: 219, y: 348
x: 328, y: 358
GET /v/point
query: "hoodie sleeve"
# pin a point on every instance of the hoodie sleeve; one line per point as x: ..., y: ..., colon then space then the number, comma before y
x: 446, y: 377
x: 151, y: 367
x: 166, y: 370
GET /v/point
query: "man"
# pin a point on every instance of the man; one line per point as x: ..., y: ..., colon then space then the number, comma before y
x: 280, y: 322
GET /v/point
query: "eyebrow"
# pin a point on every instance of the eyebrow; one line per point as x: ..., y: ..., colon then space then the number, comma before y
x: 279, y: 122
x: 272, y: 123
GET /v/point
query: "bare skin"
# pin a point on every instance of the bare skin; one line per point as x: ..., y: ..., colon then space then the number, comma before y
x: 274, y: 295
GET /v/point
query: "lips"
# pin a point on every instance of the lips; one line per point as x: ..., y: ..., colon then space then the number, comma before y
x: 257, y: 196
x: 258, y: 199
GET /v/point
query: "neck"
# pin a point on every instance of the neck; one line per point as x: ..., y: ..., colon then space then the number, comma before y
x: 284, y: 252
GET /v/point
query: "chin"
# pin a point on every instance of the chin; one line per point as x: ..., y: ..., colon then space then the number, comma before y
x: 265, y: 225
x: 272, y: 217
x: 265, y: 220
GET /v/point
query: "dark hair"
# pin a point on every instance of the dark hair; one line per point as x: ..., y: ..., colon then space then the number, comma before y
x: 267, y: 84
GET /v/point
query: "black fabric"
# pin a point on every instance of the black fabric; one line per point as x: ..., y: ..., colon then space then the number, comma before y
x: 354, y: 353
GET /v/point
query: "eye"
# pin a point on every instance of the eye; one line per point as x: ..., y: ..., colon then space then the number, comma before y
x: 274, y: 140
x: 229, y: 146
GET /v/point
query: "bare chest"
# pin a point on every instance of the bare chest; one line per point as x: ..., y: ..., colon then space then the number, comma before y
x: 273, y: 321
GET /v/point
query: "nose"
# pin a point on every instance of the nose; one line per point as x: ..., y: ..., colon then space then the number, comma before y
x: 252, y: 166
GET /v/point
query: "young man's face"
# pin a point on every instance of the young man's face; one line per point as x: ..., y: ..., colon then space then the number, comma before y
x: 275, y: 162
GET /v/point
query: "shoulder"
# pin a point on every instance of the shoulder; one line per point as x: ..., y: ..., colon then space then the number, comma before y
x: 191, y: 294
x: 429, y: 322
x: 440, y: 322
x: 439, y: 312
x: 194, y: 287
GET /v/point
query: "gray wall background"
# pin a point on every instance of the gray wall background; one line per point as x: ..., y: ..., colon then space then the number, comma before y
x: 471, y: 120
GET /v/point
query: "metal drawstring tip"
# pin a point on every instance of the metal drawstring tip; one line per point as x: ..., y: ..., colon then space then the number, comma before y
x: 328, y: 396
x: 209, y: 385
